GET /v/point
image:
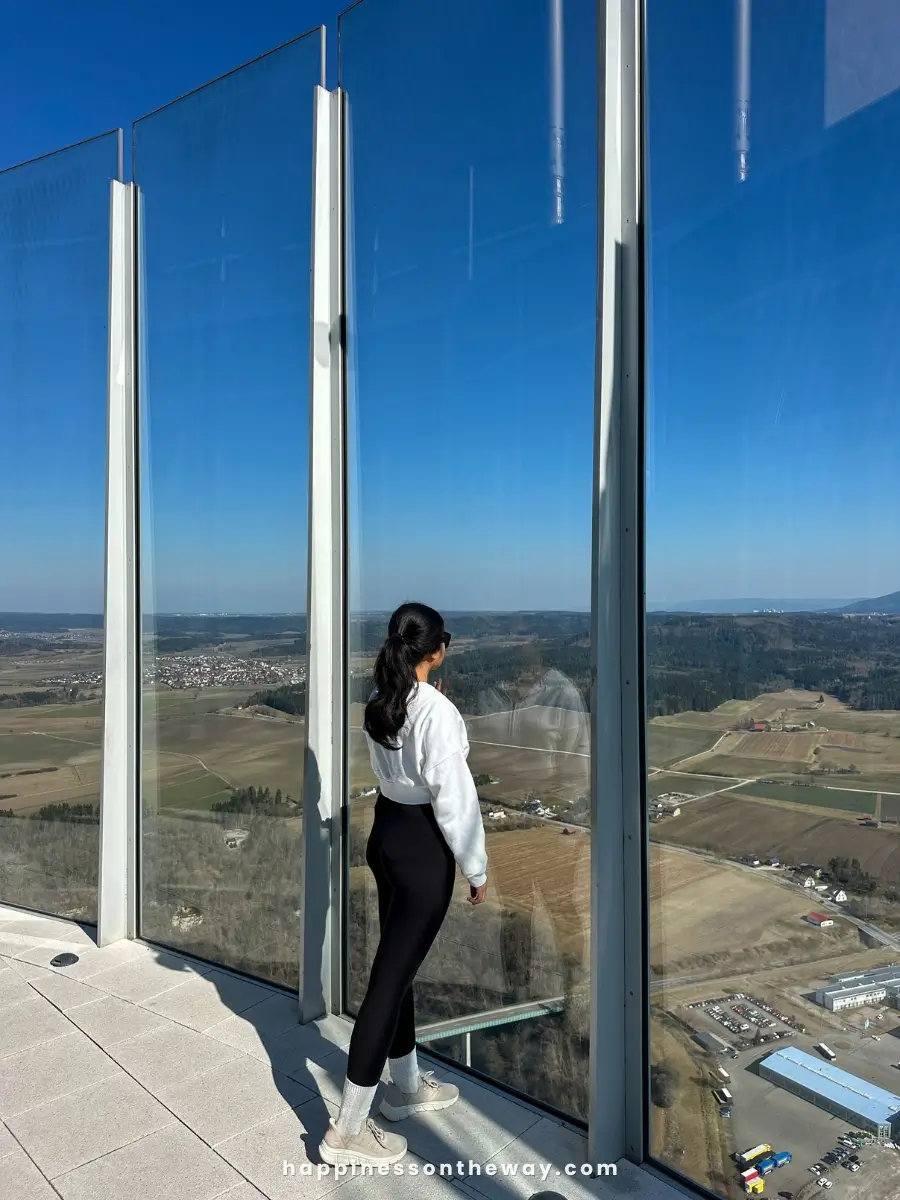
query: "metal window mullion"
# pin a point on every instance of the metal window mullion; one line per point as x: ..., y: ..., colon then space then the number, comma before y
x: 116, y: 898
x: 618, y: 934
x: 320, y: 954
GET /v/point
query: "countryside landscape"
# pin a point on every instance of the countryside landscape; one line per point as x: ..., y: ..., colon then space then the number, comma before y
x: 773, y: 760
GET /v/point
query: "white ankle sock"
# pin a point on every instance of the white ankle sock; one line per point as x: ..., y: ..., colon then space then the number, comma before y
x: 355, y: 1105
x: 405, y: 1072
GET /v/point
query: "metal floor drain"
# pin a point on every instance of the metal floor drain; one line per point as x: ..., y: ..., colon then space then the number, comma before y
x: 64, y: 960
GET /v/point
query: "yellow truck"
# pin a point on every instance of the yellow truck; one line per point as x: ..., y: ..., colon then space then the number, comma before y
x: 754, y: 1187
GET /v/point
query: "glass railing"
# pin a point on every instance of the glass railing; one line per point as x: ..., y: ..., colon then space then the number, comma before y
x: 473, y: 173
x: 773, y: 642
x: 54, y: 268
x: 225, y: 181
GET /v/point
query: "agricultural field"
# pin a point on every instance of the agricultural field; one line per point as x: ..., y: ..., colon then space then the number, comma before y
x: 49, y: 755
x: 538, y: 882
x: 837, y: 748
x: 661, y: 782
x: 535, y: 726
x: 166, y: 703
x: 540, y: 751
x: 731, y: 825
x: 819, y: 797
x: 542, y: 870
x: 228, y: 749
x: 711, y: 918
x: 669, y: 743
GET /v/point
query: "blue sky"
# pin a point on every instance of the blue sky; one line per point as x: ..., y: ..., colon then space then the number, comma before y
x: 775, y: 364
x: 773, y: 422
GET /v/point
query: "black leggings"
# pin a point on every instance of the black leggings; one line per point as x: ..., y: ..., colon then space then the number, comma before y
x: 414, y: 870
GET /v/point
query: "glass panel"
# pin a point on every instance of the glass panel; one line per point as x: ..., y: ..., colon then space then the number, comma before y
x: 54, y: 281
x: 772, y: 576
x: 471, y: 422
x: 225, y: 183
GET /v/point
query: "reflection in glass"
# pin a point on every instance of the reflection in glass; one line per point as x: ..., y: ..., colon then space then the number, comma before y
x: 54, y: 273
x: 470, y: 426
x: 225, y: 184
x: 773, y: 639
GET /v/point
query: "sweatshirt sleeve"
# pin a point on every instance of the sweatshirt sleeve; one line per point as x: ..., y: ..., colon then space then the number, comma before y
x: 454, y: 796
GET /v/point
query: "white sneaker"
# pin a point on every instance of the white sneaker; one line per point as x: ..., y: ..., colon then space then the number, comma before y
x: 431, y: 1096
x: 372, y: 1145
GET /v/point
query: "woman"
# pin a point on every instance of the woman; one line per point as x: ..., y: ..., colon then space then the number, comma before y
x: 427, y: 820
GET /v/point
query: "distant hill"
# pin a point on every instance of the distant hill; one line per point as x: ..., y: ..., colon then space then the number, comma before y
x: 881, y: 604
x: 749, y: 605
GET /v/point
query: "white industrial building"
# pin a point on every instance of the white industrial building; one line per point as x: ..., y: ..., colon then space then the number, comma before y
x: 861, y: 987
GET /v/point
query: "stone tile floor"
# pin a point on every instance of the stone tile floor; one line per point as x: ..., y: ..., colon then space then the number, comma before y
x: 139, y: 1074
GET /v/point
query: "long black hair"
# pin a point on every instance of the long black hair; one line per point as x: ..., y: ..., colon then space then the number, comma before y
x: 414, y: 632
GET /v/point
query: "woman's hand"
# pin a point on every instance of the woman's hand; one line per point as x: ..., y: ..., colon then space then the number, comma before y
x: 477, y: 894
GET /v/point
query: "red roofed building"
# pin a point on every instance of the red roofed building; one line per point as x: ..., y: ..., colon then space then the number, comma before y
x: 821, y: 919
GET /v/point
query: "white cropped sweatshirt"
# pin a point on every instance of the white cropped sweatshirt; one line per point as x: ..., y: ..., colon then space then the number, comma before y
x: 431, y: 767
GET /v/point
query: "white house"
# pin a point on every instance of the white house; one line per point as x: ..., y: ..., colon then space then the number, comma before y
x: 809, y: 882
x: 840, y: 897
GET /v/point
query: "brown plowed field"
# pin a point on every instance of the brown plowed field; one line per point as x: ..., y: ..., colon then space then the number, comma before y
x: 735, y: 826
x: 786, y: 747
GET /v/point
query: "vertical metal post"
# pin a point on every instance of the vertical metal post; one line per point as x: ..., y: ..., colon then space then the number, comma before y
x: 557, y: 112
x: 116, y: 901
x: 618, y: 930
x: 468, y: 1048
x: 320, y: 949
x: 742, y: 87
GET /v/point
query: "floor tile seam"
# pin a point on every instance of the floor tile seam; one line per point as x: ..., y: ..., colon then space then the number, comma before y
x: 31, y: 1160
x: 98, y: 1157
x: 175, y: 1118
x: 142, y: 1004
x: 167, y: 991
x: 36, y: 1045
x: 256, y: 1124
x: 205, y: 967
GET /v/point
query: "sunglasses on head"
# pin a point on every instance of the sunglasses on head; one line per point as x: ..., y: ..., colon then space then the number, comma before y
x: 445, y: 638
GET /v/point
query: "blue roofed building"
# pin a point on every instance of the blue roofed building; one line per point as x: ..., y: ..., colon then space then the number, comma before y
x: 847, y: 1096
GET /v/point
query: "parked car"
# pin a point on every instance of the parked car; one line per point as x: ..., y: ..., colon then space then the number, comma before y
x: 825, y: 1183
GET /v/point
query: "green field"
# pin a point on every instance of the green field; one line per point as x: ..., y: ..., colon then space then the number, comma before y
x: 661, y: 783
x: 189, y: 702
x: 668, y: 744
x: 200, y: 791
x: 819, y: 797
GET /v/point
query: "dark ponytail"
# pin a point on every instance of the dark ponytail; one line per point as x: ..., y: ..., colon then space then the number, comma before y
x: 414, y: 632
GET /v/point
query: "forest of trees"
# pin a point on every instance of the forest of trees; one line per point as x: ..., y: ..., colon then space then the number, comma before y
x: 79, y: 813
x: 289, y: 698
x: 694, y: 662
x: 33, y: 698
x: 699, y: 662
x: 492, y: 678
x: 285, y: 649
x: 849, y: 873
x: 261, y: 801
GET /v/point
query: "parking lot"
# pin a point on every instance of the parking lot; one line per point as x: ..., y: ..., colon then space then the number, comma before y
x: 740, y: 1019
x: 764, y: 1112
